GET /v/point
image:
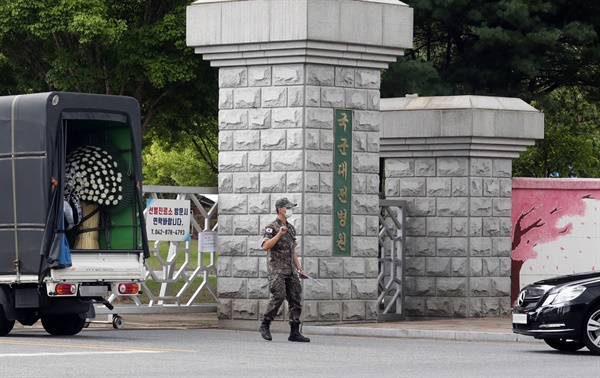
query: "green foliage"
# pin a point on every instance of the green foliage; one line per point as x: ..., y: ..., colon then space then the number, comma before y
x: 125, y: 47
x: 571, y: 144
x: 546, y: 52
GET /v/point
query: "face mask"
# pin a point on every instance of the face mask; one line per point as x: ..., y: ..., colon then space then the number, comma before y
x: 288, y: 213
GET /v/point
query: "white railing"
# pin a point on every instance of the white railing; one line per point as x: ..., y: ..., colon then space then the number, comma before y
x: 191, y: 272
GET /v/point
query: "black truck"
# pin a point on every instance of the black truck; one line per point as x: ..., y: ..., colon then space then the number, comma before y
x: 72, y: 228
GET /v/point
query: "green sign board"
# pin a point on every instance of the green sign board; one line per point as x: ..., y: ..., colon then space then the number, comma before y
x: 342, y: 182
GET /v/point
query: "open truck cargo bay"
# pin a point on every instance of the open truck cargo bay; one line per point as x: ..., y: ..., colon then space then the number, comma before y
x: 38, y: 255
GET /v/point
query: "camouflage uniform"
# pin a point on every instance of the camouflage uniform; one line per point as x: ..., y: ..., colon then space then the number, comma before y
x: 283, y: 278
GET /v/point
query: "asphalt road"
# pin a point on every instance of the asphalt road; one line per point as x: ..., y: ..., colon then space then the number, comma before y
x: 104, y: 352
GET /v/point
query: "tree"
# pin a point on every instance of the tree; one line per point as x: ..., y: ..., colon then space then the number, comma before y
x: 571, y: 144
x: 546, y: 52
x: 123, y: 47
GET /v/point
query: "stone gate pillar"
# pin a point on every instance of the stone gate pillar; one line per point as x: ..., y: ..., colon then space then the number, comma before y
x: 450, y: 158
x: 285, y: 67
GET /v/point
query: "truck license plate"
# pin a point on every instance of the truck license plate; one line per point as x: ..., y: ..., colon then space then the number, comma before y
x: 519, y: 318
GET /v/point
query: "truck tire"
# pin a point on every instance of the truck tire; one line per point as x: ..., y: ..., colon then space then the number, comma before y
x: 63, y: 324
x: 5, y: 325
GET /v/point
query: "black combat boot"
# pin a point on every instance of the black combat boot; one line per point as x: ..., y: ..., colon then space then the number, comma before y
x: 295, y: 334
x: 264, y: 329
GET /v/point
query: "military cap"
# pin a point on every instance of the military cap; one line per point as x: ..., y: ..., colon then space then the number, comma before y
x: 284, y: 202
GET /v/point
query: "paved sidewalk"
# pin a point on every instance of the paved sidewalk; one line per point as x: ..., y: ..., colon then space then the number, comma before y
x: 473, y: 329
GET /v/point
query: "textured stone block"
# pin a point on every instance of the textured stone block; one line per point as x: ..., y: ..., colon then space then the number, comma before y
x: 245, y: 225
x: 451, y: 167
x: 412, y: 187
x: 353, y: 267
x: 476, y: 266
x: 481, y: 207
x: 224, y: 308
x: 294, y: 182
x: 333, y: 98
x: 344, y: 77
x: 364, y: 289
x: 274, y: 97
x: 233, y: 119
x: 231, y: 287
x: 367, y: 204
x: 439, y: 226
x: 318, y: 204
x: 245, y: 309
x: 233, y: 204
x: 260, y: 204
x: 501, y: 247
x: 365, y: 246
x: 318, y: 292
x: 259, y: 76
x: 501, y: 207
x: 224, y: 267
x: 331, y: 268
x: 452, y: 207
x: 439, y: 307
x: 502, y: 168
x: 258, y: 288
x: 439, y: 187
x: 451, y: 287
x: 505, y: 267
x: 295, y: 96
x: 330, y: 311
x: 373, y: 100
x: 460, y: 187
x: 491, y: 187
x: 506, y: 187
x: 366, y: 162
x: 366, y: 121
x: 480, y: 287
x: 272, y: 182
x: 259, y: 119
x: 356, y: 99
x: 320, y: 75
x: 286, y: 117
x: 259, y: 161
x: 476, y: 187
x: 490, y: 306
x: 318, y: 246
x: 311, y: 182
x: 225, y: 98
x: 491, y: 227
x: 295, y: 139
x: 451, y: 247
x: 245, y: 183
x: 288, y: 74
x: 325, y: 225
x: 475, y: 226
x: 313, y: 96
x: 319, y: 161
x: 460, y: 267
x: 226, y: 141
x: 414, y: 306
x: 481, y: 247
x: 399, y: 168
x: 367, y: 78
x: 414, y: 266
x: 438, y: 266
x: 289, y: 160
x: 459, y: 226
x: 415, y: 227
x: 425, y: 247
x: 353, y: 310
x: 310, y: 311
x: 233, y: 77
x: 342, y: 289
x: 246, y: 98
x: 246, y: 140
x: 420, y: 286
x: 233, y: 161
x: 425, y: 167
x: 319, y: 118
x: 481, y: 167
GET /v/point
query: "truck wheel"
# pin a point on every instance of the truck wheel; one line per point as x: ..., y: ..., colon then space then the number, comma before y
x: 5, y: 325
x: 118, y: 322
x: 63, y: 324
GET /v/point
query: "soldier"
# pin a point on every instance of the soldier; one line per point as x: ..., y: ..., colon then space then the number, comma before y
x: 279, y: 241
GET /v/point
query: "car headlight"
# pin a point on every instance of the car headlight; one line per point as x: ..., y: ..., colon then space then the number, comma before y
x: 564, y: 295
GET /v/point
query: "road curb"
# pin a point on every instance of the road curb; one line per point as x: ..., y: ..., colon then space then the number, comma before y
x: 416, y: 334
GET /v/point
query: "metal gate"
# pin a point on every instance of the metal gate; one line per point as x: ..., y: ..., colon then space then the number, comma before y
x: 178, y: 268
x: 391, y: 260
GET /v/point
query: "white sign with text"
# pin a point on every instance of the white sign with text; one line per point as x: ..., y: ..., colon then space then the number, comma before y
x: 168, y: 220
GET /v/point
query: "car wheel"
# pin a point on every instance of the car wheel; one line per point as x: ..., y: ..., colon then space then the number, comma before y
x: 591, y: 328
x: 564, y: 345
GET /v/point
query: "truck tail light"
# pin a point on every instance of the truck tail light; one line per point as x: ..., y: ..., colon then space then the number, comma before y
x: 128, y: 288
x: 66, y: 289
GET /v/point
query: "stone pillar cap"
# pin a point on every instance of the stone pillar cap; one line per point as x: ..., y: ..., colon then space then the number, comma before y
x: 361, y: 33
x: 482, y: 126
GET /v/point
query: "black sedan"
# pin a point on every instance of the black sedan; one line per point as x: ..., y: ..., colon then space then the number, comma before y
x: 563, y: 311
